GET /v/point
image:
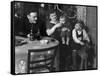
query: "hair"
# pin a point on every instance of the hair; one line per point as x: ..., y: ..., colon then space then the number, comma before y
x: 30, y: 7
x: 52, y: 11
x: 64, y: 16
x: 29, y: 11
x: 81, y: 23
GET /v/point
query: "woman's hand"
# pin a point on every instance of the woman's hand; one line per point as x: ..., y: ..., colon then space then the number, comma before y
x: 52, y: 30
x: 64, y: 29
x: 58, y: 25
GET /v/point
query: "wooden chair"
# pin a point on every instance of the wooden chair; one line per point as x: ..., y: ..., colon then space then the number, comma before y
x: 41, y: 60
x: 83, y: 55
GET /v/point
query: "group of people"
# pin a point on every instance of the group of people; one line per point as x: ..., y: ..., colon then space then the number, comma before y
x: 76, y: 39
x: 58, y: 28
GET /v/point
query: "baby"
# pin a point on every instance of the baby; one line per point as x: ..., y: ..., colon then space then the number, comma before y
x: 65, y: 30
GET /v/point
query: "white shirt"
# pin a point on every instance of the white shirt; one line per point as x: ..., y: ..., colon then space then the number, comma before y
x: 74, y: 36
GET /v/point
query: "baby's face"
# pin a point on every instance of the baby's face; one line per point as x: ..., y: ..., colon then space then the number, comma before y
x: 62, y: 20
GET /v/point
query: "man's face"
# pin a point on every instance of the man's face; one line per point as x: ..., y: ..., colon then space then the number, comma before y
x: 32, y: 17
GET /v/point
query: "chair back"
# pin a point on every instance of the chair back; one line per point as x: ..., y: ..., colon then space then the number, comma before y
x: 41, y: 60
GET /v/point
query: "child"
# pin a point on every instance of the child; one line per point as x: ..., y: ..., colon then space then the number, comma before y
x: 80, y: 43
x: 79, y: 35
x: 65, y: 30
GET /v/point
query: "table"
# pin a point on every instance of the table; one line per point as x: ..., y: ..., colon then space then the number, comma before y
x: 21, y: 52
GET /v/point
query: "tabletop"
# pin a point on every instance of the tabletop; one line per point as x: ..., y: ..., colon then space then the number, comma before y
x: 36, y: 44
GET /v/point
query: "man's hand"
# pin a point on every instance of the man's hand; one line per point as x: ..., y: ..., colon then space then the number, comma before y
x: 28, y: 35
x: 21, y: 33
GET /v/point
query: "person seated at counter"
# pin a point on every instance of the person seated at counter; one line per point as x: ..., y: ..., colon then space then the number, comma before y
x: 33, y: 26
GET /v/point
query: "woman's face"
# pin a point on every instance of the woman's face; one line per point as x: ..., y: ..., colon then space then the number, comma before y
x: 53, y: 16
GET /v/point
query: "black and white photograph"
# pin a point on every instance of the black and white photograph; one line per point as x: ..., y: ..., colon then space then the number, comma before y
x: 53, y: 37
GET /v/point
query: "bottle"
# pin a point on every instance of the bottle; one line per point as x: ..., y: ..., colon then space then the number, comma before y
x: 37, y: 35
x: 31, y: 33
x: 31, y: 36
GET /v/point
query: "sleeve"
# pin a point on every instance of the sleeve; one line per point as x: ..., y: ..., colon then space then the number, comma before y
x: 26, y: 28
x: 75, y: 37
x: 85, y: 36
x: 69, y: 26
x: 43, y: 29
x: 48, y: 25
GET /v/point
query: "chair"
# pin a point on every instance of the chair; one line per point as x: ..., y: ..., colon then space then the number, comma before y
x: 41, y: 60
x: 83, y: 55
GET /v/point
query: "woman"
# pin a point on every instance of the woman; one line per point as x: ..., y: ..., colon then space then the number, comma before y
x: 54, y: 30
x: 53, y: 26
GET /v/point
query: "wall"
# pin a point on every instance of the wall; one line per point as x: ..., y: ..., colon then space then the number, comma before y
x: 92, y: 25
x: 81, y: 13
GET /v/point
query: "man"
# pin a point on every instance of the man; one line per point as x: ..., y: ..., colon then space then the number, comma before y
x: 33, y: 25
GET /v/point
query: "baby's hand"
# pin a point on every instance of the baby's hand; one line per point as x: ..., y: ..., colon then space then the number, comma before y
x: 64, y: 29
x: 68, y: 30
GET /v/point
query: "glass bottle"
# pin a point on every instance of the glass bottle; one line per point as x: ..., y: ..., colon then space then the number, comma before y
x: 31, y: 34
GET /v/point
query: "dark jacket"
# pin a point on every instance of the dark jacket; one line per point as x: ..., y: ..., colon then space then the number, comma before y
x: 39, y: 26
